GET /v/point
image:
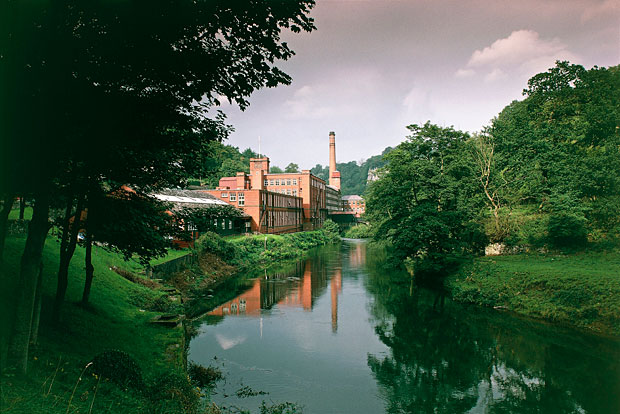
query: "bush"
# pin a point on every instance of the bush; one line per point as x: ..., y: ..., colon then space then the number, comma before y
x: 120, y: 368
x: 567, y: 230
x: 331, y: 227
x: 172, y: 392
x: 203, y: 377
x: 360, y: 231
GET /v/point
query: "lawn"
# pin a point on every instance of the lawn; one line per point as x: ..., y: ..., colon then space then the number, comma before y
x: 111, y: 320
x: 580, y: 289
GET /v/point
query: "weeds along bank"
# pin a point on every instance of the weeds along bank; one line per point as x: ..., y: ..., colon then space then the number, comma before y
x: 579, y: 289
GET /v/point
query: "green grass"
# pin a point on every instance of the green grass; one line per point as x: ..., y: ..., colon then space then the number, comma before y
x: 109, y: 321
x: 580, y: 289
x: 171, y: 255
x: 14, y: 214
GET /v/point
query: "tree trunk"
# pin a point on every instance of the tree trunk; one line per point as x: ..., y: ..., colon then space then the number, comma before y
x: 28, y: 277
x: 90, y: 270
x: 4, y: 220
x: 36, y: 317
x: 65, y: 259
x: 22, y: 207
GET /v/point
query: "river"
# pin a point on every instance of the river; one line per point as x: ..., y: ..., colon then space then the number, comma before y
x: 340, y: 333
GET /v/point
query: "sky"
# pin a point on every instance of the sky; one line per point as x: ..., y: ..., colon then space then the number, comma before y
x: 373, y: 67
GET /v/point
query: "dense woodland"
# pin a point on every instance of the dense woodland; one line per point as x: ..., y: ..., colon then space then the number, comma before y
x: 544, y: 174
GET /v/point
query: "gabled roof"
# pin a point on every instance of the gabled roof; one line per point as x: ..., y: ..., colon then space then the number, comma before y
x: 351, y: 197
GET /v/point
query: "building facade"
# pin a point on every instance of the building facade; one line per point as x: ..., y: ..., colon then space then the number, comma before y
x: 270, y: 212
x: 353, y: 204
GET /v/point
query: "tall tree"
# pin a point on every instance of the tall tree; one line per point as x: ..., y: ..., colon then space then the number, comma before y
x: 424, y: 202
x: 125, y: 94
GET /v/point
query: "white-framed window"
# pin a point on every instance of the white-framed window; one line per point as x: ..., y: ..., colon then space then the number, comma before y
x: 277, y: 182
x: 223, y: 224
x: 266, y: 183
x: 230, y: 224
x: 288, y: 192
x: 295, y: 193
x: 288, y: 182
x: 241, y: 199
x: 270, y: 182
x: 233, y: 196
x: 224, y: 195
x: 294, y: 181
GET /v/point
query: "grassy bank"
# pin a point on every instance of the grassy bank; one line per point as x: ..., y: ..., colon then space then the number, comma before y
x: 578, y: 289
x: 112, y: 320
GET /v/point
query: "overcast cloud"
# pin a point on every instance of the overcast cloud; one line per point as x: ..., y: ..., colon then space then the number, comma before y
x: 373, y: 67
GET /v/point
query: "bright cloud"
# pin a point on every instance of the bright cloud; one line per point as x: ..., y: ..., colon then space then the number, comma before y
x: 521, y: 53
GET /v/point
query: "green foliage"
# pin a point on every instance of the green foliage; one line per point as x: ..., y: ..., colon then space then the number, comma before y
x: 330, y: 227
x: 172, y: 392
x: 360, y: 231
x: 567, y: 230
x: 224, y: 161
x: 119, y: 367
x: 262, y: 249
x: 292, y: 168
x: 130, y: 223
x: 274, y: 169
x: 427, y: 201
x: 557, y: 150
x: 203, y: 377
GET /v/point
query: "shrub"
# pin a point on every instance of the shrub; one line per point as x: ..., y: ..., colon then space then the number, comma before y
x: 203, y: 377
x: 360, y: 231
x: 173, y: 392
x: 120, y: 368
x: 567, y: 230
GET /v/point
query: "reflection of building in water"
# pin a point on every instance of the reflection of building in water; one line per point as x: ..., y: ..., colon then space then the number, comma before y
x: 357, y: 255
x: 335, y: 288
x: 298, y: 287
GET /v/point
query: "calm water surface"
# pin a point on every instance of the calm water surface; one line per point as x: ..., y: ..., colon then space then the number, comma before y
x: 338, y: 333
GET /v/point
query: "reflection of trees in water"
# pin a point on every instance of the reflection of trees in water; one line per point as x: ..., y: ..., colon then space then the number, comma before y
x: 445, y: 358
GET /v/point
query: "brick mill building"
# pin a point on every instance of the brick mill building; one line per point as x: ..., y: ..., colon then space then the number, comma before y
x: 282, y: 202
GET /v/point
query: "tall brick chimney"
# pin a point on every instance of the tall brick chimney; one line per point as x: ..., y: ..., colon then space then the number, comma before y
x: 334, y: 175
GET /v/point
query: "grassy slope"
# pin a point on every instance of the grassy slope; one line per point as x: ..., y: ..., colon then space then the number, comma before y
x: 110, y: 321
x: 579, y: 289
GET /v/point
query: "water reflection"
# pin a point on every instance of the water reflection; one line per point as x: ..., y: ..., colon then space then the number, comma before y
x: 448, y: 358
x: 296, y: 286
x: 340, y: 333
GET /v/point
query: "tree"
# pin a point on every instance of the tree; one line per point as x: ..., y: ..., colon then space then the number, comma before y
x: 425, y: 204
x: 557, y: 149
x: 125, y: 95
x: 292, y: 168
x: 274, y: 169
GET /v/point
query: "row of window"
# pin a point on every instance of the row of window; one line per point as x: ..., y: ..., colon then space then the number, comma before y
x: 233, y: 197
x: 223, y: 224
x: 287, y: 192
x: 282, y: 181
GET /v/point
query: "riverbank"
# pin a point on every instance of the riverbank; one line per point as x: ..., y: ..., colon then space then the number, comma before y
x: 581, y: 289
x: 220, y: 259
